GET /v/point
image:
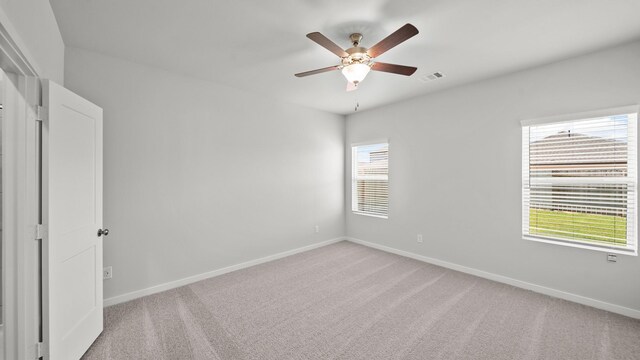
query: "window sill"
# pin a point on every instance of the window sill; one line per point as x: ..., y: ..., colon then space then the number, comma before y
x: 602, y: 248
x: 370, y: 215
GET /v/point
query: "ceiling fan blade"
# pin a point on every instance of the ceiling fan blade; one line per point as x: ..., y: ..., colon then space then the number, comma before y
x: 394, y: 68
x: 317, y: 71
x: 404, y: 33
x: 351, y: 86
x: 327, y: 44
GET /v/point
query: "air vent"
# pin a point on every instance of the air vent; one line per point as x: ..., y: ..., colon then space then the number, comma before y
x: 430, y: 77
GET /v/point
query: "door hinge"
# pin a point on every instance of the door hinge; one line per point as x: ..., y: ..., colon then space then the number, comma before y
x: 41, y: 350
x: 40, y: 231
x: 41, y: 113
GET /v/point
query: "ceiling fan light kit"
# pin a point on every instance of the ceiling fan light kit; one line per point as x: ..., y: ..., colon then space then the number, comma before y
x: 357, y: 61
x: 357, y: 65
x: 355, y: 73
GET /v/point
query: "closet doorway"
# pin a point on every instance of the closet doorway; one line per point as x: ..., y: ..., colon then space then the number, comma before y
x: 19, y: 199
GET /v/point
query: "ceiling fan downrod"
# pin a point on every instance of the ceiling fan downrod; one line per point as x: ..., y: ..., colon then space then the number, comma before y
x: 356, y: 39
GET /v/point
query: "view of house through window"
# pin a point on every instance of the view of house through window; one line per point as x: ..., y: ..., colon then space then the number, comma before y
x: 370, y: 179
x: 579, y: 182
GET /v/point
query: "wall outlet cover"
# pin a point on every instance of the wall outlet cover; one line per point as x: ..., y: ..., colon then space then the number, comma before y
x: 107, y: 272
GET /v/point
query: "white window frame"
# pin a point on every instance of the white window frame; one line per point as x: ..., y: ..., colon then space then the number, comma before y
x: 633, y: 184
x: 354, y: 190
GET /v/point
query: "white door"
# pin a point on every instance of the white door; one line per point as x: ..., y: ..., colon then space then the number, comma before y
x: 72, y: 216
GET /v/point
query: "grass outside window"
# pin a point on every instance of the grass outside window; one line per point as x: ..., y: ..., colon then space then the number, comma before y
x: 608, y: 229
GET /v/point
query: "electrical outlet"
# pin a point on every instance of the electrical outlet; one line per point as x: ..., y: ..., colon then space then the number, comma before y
x: 107, y: 273
x: 612, y: 258
x: 420, y: 238
x: 317, y: 228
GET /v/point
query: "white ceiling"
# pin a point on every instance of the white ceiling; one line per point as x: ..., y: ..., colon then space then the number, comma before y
x: 258, y: 45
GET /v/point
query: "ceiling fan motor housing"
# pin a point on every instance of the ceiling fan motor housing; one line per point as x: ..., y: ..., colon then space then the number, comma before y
x: 357, y: 55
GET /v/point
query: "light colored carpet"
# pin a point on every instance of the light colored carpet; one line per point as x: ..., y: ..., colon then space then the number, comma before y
x: 346, y: 301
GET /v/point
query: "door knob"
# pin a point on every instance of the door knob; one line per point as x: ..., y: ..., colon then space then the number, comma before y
x: 104, y: 232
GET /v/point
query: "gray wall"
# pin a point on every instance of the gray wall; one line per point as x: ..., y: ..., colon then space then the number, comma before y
x: 199, y: 176
x: 455, y: 173
x: 33, y: 27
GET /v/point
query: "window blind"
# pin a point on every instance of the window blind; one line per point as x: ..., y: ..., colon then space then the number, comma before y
x: 370, y: 179
x: 579, y: 182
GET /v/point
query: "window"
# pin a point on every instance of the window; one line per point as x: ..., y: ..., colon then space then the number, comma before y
x: 579, y: 180
x: 370, y: 179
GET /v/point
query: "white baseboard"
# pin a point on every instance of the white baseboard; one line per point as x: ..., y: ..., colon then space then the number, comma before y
x: 483, y: 274
x: 191, y: 279
x: 507, y: 280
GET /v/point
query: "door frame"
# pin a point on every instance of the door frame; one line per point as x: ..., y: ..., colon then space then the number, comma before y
x: 21, y: 158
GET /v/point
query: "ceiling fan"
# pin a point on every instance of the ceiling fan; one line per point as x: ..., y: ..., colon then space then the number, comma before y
x: 356, y: 61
